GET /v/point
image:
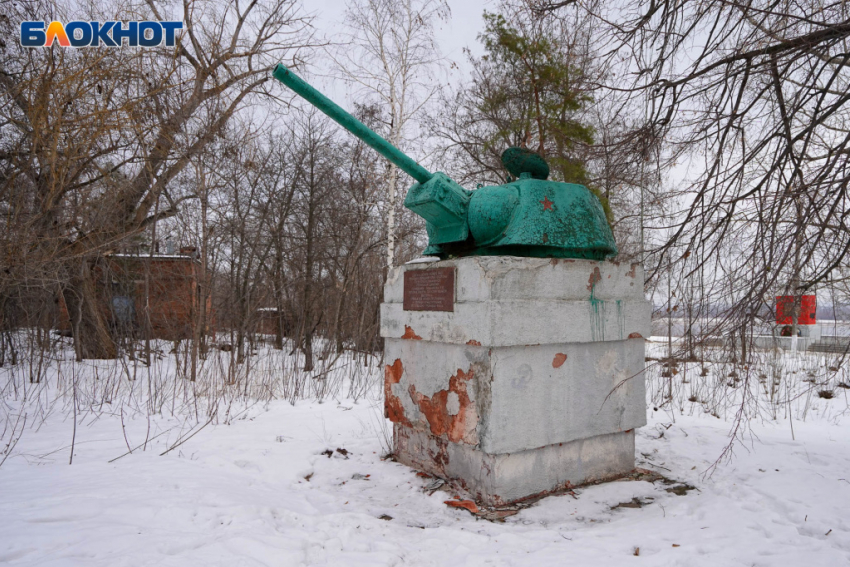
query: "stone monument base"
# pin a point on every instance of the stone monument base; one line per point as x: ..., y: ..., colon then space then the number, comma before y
x: 520, y: 376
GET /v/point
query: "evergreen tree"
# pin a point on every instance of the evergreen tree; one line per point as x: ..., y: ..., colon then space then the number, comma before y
x: 526, y: 85
x: 528, y: 89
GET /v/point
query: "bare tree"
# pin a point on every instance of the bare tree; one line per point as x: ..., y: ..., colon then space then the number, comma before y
x: 391, y: 54
x: 101, y: 134
x: 755, y: 95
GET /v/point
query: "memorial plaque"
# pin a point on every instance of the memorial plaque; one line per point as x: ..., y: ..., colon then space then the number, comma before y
x: 429, y: 290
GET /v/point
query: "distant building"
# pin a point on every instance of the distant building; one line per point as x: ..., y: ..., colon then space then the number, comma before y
x: 162, y: 288
x: 270, y: 320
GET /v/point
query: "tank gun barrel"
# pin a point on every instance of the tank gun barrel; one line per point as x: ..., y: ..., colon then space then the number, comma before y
x: 350, y: 123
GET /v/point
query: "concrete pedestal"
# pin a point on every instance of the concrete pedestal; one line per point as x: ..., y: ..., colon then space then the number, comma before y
x: 532, y: 384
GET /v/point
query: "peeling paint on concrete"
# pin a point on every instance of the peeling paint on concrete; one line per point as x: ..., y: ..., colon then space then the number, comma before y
x: 409, y: 334
x: 393, y: 372
x: 458, y: 427
x: 559, y: 360
x: 393, y: 409
x: 465, y: 504
x: 595, y: 278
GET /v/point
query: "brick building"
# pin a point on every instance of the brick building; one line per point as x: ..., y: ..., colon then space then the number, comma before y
x: 169, y: 285
x: 270, y: 320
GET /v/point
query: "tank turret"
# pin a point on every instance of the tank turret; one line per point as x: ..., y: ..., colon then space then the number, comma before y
x: 528, y: 216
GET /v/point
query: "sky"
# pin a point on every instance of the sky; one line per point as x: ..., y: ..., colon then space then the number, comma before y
x: 453, y: 36
x: 466, y: 23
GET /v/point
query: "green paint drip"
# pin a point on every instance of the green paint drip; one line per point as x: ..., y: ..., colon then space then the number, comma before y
x: 621, y: 319
x: 597, y: 316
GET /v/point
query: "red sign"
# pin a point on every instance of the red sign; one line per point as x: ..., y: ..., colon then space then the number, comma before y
x: 785, y: 308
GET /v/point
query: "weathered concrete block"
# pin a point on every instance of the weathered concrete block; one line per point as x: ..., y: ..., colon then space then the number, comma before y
x: 535, y: 379
x: 509, y: 477
x: 507, y: 301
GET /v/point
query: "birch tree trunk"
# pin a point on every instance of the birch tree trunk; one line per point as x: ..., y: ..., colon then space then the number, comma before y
x: 393, y: 56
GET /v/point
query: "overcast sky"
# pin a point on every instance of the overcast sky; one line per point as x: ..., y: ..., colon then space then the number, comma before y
x: 452, y: 36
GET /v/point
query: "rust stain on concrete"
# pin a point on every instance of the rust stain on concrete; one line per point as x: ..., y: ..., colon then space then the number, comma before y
x: 458, y: 423
x: 393, y: 409
x: 559, y: 360
x: 635, y: 336
x: 631, y: 273
x: 473, y: 343
x: 595, y: 278
x: 409, y: 334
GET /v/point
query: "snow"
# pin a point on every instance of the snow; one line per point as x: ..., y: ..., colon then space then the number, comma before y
x: 424, y: 260
x: 154, y: 256
x: 262, y: 491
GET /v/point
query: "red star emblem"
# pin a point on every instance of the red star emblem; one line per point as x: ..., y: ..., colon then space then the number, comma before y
x: 547, y: 204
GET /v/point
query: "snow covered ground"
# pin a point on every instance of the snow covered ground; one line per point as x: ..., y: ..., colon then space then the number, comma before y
x: 276, y: 487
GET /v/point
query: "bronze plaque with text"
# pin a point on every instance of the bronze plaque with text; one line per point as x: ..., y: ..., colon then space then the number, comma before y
x: 429, y: 290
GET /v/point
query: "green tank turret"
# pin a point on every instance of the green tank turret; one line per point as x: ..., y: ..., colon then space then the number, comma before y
x: 528, y: 216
